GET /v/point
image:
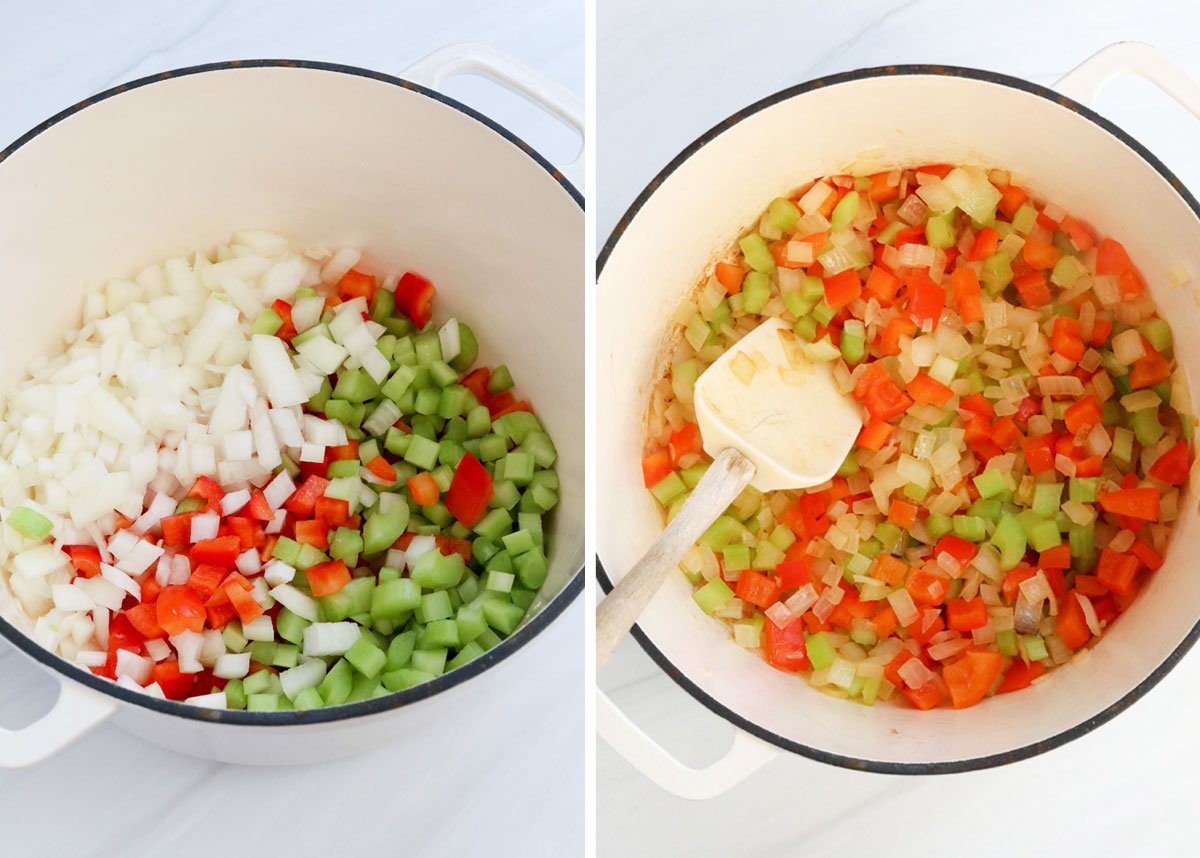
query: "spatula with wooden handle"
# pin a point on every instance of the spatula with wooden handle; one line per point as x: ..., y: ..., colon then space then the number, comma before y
x: 771, y: 417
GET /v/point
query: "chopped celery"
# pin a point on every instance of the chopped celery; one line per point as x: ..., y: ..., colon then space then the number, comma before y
x: 990, y: 483
x: 997, y: 272
x: 713, y: 595
x: 821, y: 653
x: 783, y: 214
x: 970, y: 527
x: 29, y: 523
x: 1046, y: 499
x: 758, y: 255
x: 937, y: 524
x: 1009, y: 538
x: 756, y: 289
x: 844, y: 212
x: 267, y: 322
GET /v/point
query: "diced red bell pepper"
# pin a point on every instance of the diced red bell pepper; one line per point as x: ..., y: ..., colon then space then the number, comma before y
x: 897, y: 328
x: 1172, y: 466
x: 730, y: 276
x: 205, y: 579
x: 757, y: 588
x: 1146, y: 554
x: 957, y: 547
x: 1040, y: 255
x: 882, y: 396
x: 476, y: 381
x: 874, y: 434
x: 842, y: 288
x: 304, y: 499
x: 144, y: 618
x: 284, y: 310
x: 1111, y: 258
x: 1141, y: 503
x: 470, y: 491
x: 356, y: 284
x: 1039, y: 452
x: 967, y: 300
x: 1033, y: 289
x: 313, y: 532
x: 1071, y: 625
x: 335, y: 512
x: 794, y: 571
x: 1020, y: 675
x: 964, y: 615
x: 1067, y: 338
x: 248, y: 610
x: 655, y: 468
x: 1058, y: 557
x: 381, y: 468
x: 1116, y: 571
x: 785, y: 648
x: 222, y: 551
x: 1012, y: 581
x: 180, y: 608
x: 85, y: 559
x: 925, y: 300
x: 928, y: 390
x: 928, y: 696
x: 984, y: 246
x: 1084, y: 412
x: 925, y: 587
x: 882, y: 285
x: 258, y: 508
x: 1149, y: 370
x: 424, y: 489
x: 414, y: 298
x: 448, y: 546
x: 1012, y: 197
x: 210, y: 491
x: 250, y: 533
x: 1090, y: 586
x: 174, y: 685
x: 969, y: 678
x: 324, y: 579
x: 349, y: 450
x: 685, y: 441
x: 505, y: 403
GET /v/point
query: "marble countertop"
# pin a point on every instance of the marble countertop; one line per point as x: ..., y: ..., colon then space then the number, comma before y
x: 112, y: 794
x: 666, y: 73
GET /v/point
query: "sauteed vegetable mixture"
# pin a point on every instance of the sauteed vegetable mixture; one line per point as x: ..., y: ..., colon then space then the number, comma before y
x: 1027, y: 433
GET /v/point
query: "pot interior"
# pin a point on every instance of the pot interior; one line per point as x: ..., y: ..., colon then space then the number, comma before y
x: 890, y: 119
x: 319, y: 155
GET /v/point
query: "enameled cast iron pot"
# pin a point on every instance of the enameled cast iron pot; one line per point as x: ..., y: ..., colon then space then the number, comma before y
x: 691, y: 212
x: 319, y: 153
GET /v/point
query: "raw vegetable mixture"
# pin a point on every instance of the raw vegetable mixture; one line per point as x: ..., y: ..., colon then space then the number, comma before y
x: 264, y: 480
x: 1027, y: 433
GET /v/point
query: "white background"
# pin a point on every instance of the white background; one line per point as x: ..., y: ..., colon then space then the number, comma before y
x: 669, y: 70
x: 518, y: 792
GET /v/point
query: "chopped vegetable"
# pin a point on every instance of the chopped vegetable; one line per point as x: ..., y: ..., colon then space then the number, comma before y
x: 1024, y: 444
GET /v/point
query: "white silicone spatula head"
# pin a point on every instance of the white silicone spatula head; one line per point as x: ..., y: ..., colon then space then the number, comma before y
x: 771, y: 418
x: 783, y: 411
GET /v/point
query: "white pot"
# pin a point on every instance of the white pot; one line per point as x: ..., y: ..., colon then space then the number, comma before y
x: 694, y: 209
x: 319, y: 153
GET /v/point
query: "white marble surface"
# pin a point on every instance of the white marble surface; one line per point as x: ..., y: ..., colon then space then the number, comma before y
x: 667, y: 72
x: 517, y: 791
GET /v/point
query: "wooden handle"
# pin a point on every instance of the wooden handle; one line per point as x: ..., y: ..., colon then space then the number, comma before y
x: 729, y: 474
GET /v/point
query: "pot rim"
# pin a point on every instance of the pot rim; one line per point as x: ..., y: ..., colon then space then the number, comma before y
x: 685, y: 682
x: 395, y: 700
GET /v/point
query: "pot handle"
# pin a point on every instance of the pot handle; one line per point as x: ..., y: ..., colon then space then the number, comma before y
x: 745, y: 756
x: 1085, y: 82
x: 469, y: 58
x: 76, y: 711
